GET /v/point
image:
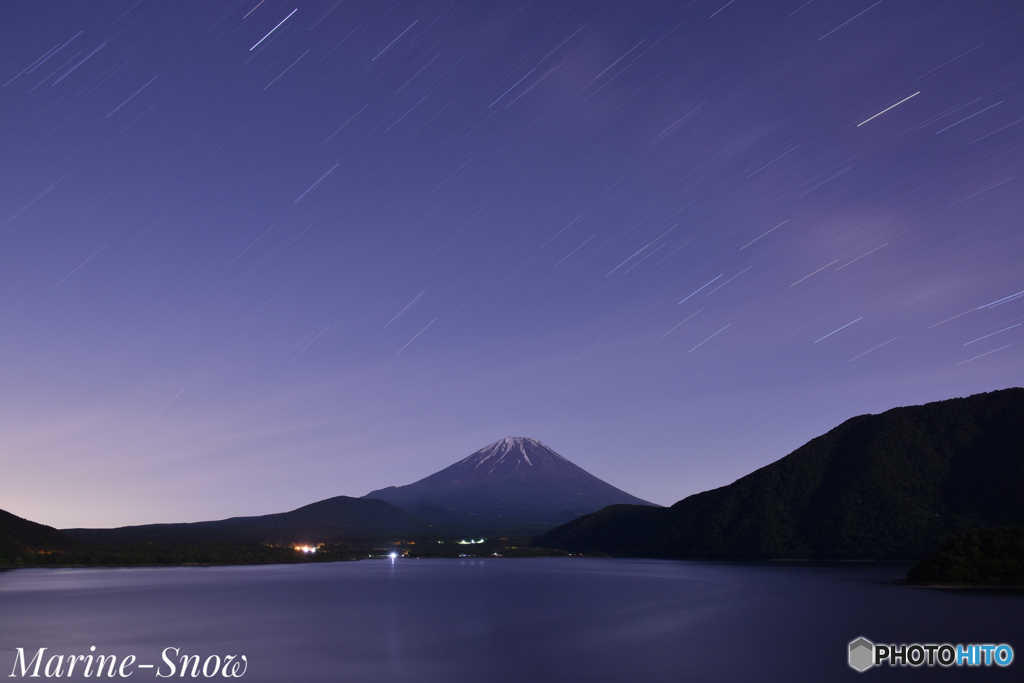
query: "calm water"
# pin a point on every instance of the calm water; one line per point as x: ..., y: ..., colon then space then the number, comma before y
x: 502, y: 620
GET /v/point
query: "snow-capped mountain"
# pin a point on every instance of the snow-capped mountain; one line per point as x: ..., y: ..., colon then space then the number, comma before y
x: 515, y: 484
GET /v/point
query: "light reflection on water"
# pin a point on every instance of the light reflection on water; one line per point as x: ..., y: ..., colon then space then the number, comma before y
x: 500, y: 619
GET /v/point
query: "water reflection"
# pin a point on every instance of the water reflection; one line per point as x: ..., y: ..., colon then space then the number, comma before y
x: 497, y: 619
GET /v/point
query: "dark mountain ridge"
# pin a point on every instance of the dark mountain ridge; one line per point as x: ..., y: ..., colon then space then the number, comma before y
x: 331, y: 520
x: 516, y: 484
x: 887, y: 486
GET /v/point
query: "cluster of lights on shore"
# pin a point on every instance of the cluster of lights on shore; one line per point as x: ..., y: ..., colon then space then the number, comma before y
x: 310, y: 549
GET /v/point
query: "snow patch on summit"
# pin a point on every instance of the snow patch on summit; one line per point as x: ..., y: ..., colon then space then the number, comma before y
x: 516, y: 446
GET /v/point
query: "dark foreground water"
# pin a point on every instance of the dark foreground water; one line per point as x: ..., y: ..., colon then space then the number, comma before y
x: 499, y: 620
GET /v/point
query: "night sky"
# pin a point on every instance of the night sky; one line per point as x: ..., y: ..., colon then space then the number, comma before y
x: 256, y: 254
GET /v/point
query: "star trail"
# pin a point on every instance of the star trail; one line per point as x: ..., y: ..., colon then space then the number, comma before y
x: 256, y: 254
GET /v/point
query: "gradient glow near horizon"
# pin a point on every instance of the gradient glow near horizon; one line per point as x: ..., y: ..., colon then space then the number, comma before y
x: 256, y: 254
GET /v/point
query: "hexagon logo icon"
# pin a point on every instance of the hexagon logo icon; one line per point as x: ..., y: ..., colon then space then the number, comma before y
x: 862, y: 654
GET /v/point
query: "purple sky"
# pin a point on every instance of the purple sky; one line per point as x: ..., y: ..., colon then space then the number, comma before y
x: 252, y: 257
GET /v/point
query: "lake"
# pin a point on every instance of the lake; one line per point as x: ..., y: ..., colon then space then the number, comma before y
x: 497, y: 620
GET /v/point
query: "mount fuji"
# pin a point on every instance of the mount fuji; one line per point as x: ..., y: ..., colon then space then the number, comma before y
x: 515, y: 485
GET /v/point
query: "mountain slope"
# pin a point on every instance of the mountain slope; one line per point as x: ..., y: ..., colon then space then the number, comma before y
x: 19, y: 536
x: 516, y: 484
x: 892, y: 485
x: 331, y: 520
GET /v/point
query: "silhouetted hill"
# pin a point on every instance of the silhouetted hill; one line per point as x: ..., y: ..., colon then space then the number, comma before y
x: 515, y: 485
x: 19, y: 537
x: 336, y: 519
x: 988, y: 557
x: 893, y: 485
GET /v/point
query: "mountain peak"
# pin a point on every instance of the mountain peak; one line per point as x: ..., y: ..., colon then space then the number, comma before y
x: 517, y: 479
x: 506, y: 456
x: 517, y: 442
x: 515, y: 449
